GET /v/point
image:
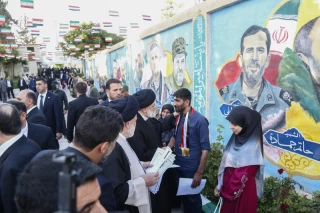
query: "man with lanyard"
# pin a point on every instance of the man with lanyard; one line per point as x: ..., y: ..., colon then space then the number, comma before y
x: 191, y: 141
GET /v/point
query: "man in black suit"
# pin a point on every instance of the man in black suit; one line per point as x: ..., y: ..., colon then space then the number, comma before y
x: 9, y: 87
x: 40, y: 134
x: 77, y: 107
x: 16, y: 151
x: 22, y: 83
x: 34, y: 115
x: 94, y: 140
x: 50, y: 105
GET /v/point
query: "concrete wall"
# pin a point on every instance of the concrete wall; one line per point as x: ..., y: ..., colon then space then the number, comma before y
x: 208, y: 38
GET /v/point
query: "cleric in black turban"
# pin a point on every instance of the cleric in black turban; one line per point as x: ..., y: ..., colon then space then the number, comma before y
x: 145, y: 97
x: 127, y: 106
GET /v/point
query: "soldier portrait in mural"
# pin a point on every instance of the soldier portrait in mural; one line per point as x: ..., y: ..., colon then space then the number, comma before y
x: 138, y: 71
x: 251, y: 88
x: 157, y: 81
x: 177, y: 79
x: 280, y: 77
x: 116, y: 73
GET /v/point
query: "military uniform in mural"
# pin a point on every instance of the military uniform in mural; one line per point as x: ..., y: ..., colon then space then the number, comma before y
x: 162, y: 92
x: 270, y: 99
x: 177, y: 79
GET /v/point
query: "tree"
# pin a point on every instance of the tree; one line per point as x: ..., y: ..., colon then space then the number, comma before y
x: 23, y: 35
x: 87, y: 38
x: 9, y: 21
x: 170, y: 9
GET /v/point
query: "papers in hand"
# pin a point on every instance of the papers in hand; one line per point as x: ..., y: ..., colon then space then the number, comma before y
x: 185, y: 187
x: 162, y: 160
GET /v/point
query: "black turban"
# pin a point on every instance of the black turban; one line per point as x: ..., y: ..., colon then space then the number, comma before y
x: 145, y: 97
x: 127, y: 106
x: 168, y: 107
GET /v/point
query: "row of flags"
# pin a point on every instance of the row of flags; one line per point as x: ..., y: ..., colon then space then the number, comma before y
x: 2, y: 19
x: 30, y: 4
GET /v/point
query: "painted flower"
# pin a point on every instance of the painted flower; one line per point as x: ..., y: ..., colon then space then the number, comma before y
x: 283, y: 207
x: 280, y: 171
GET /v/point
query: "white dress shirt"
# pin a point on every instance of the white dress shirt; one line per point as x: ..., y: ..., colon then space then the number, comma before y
x: 9, y: 84
x: 21, y: 82
x: 9, y: 143
x: 29, y: 110
x: 43, y: 99
x: 25, y: 130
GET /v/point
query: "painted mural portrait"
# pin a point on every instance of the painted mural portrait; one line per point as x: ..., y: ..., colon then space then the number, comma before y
x: 138, y: 71
x: 116, y: 73
x: 157, y: 81
x: 251, y: 87
x: 177, y: 79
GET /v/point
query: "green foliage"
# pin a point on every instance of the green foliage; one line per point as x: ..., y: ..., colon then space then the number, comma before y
x: 15, y: 81
x: 170, y: 9
x: 85, y: 33
x: 8, y: 22
x: 23, y: 32
x: 280, y: 195
x: 213, y: 163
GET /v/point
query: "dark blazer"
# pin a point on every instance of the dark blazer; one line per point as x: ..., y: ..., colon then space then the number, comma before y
x: 12, y: 163
x: 52, y: 109
x: 146, y: 139
x: 10, y: 83
x: 76, y: 108
x: 107, y: 199
x: 35, y: 116
x: 24, y: 84
x: 43, y: 136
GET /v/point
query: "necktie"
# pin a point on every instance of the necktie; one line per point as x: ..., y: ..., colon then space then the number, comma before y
x: 41, y: 103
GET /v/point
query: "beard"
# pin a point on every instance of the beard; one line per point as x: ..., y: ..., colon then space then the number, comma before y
x: 253, y: 78
x: 151, y: 113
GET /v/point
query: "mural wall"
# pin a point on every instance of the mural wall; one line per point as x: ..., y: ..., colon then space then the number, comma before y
x: 262, y: 54
x: 271, y: 64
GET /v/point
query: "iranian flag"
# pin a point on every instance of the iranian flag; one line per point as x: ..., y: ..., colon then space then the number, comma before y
x: 74, y: 8
x: 14, y: 45
x: 10, y: 38
x: 27, y: 4
x: 30, y: 24
x: 74, y: 24
x: 2, y: 20
x: 5, y: 30
x: 37, y: 22
x: 72, y: 46
x: 108, y: 39
x: 107, y: 24
x: 64, y: 26
x: 96, y: 27
x: 146, y: 17
x: 134, y: 25
x: 10, y: 56
x: 114, y: 13
x: 86, y: 46
x: 78, y: 39
x: 62, y: 33
x: 90, y: 49
x: 72, y: 53
x: 97, y: 46
x: 46, y: 39
x: 108, y: 47
x: 35, y: 32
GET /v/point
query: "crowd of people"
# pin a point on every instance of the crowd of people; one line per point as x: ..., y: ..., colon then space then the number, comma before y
x: 114, y: 136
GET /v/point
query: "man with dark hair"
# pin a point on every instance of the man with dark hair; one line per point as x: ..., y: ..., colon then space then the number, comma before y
x: 93, y: 90
x: 192, y: 145
x: 77, y: 107
x: 38, y: 186
x: 9, y: 87
x: 113, y: 90
x: 22, y: 83
x: 61, y: 94
x: 50, y: 105
x: 34, y: 115
x: 15, y: 152
x: 123, y: 167
x: 251, y: 88
x: 302, y: 69
x: 95, y: 135
x: 40, y: 134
